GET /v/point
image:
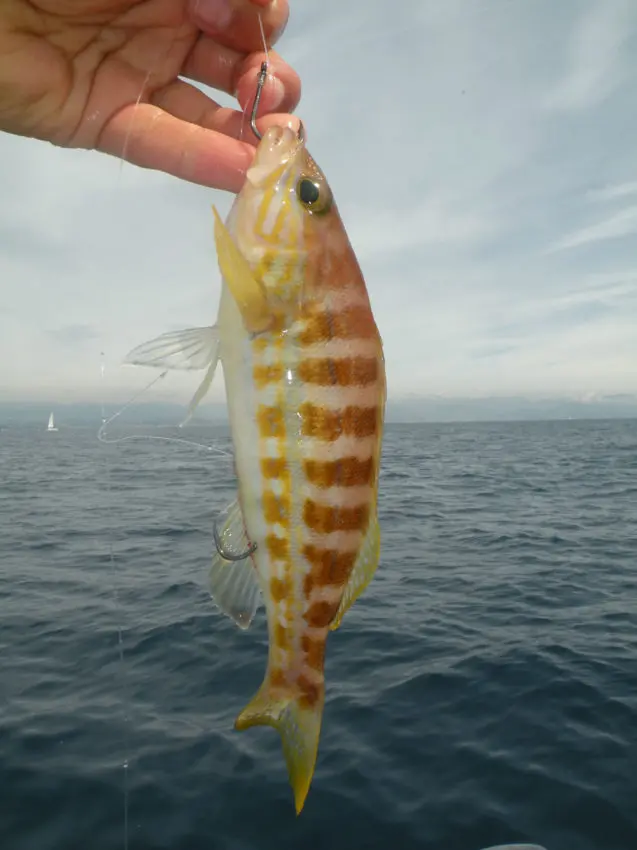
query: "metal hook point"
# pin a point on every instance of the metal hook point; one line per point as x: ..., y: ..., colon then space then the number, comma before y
x: 263, y: 73
x: 225, y: 553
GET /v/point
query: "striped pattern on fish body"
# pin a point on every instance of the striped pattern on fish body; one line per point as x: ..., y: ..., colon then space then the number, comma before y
x: 305, y: 385
x: 306, y: 398
x: 308, y: 470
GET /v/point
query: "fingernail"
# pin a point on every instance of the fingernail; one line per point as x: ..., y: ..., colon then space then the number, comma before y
x: 219, y: 13
x: 216, y: 13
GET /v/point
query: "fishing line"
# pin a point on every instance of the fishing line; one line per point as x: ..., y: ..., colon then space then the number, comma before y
x: 129, y: 131
x: 101, y: 434
x: 265, y: 44
x: 102, y: 438
x: 147, y: 79
x: 118, y: 618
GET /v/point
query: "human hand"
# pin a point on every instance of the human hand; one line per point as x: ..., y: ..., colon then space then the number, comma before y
x: 108, y: 75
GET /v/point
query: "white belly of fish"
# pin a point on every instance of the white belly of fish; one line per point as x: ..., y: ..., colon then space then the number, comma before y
x: 235, y: 353
x: 237, y: 356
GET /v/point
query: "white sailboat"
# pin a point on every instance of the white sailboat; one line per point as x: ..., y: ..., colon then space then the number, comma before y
x: 51, y: 425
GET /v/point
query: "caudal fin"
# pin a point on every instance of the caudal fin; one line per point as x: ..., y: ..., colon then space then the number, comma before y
x: 299, y: 725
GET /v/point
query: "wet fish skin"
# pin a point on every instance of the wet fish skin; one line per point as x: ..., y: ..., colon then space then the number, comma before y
x: 305, y: 385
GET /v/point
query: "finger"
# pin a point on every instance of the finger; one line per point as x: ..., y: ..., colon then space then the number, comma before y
x: 235, y: 23
x: 225, y: 69
x: 150, y: 137
x: 190, y: 104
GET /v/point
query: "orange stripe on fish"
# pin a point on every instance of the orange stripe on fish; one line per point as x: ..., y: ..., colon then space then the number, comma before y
x: 326, y: 519
x: 327, y: 566
x: 351, y: 323
x: 264, y: 375
x: 270, y: 421
x: 278, y: 547
x: 320, y: 614
x: 314, y: 650
x: 278, y: 679
x: 328, y: 424
x: 282, y: 636
x: 280, y: 588
x: 276, y: 509
x: 342, y: 372
x: 274, y: 467
x: 342, y: 472
x: 311, y: 692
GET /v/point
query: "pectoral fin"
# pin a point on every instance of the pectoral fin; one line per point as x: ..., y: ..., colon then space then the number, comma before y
x: 202, y: 389
x: 234, y: 586
x: 246, y: 291
x: 363, y: 571
x: 191, y: 349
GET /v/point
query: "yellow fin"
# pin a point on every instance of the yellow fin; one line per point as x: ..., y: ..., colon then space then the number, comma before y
x: 246, y: 291
x: 299, y: 727
x: 363, y: 571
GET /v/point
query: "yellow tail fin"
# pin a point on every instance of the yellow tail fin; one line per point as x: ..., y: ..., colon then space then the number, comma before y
x: 298, y: 724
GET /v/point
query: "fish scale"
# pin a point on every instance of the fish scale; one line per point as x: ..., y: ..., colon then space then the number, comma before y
x: 305, y: 385
x: 327, y: 497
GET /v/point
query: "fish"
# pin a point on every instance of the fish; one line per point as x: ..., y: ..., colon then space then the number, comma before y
x: 305, y: 381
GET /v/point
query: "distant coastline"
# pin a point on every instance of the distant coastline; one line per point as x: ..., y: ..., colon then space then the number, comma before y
x: 407, y: 410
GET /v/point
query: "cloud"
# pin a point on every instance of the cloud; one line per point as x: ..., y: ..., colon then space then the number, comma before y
x: 436, y: 221
x: 595, y: 63
x: 73, y: 335
x: 611, y: 193
x: 481, y: 155
x: 622, y: 223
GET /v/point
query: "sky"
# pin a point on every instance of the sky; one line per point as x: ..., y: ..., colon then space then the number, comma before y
x: 482, y: 154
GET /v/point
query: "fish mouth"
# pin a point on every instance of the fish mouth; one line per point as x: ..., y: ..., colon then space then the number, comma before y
x: 275, y: 151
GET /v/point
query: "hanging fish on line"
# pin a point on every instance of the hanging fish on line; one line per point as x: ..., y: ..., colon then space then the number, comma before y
x: 305, y: 386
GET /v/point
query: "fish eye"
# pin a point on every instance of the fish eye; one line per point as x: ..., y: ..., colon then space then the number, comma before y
x: 309, y: 192
x: 314, y: 197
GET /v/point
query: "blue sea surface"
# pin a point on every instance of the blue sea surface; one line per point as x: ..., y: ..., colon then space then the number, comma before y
x: 482, y: 691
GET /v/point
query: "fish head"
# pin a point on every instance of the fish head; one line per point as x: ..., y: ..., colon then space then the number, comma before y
x: 285, y: 221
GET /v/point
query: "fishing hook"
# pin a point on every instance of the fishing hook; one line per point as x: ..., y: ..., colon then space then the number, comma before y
x: 263, y: 73
x: 231, y: 556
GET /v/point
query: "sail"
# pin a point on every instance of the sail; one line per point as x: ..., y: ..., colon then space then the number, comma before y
x: 51, y: 425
